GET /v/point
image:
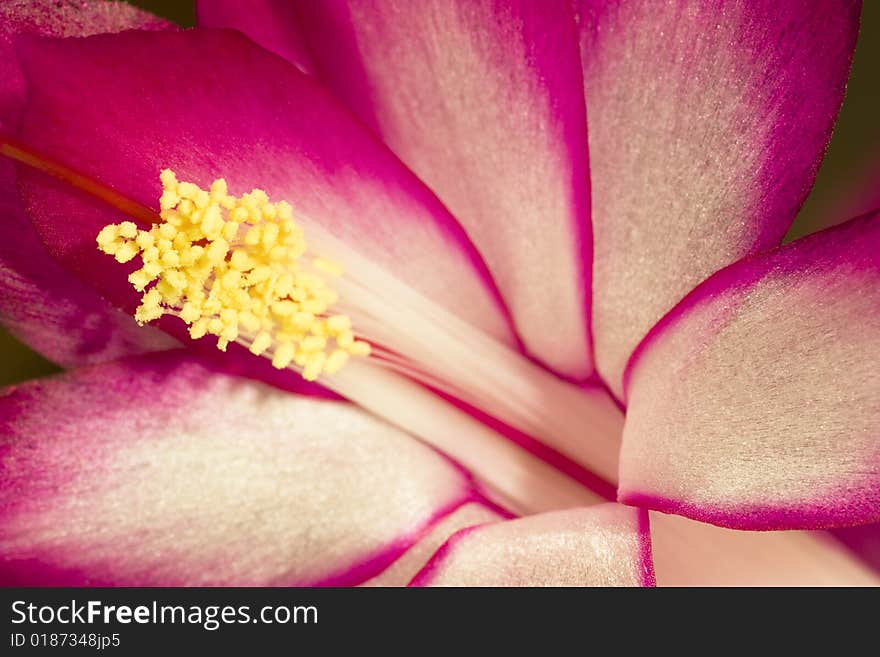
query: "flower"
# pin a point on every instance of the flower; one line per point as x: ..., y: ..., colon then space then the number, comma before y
x: 575, y: 211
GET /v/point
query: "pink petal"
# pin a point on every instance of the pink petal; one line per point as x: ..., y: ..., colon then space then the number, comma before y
x: 481, y: 99
x: 604, y: 545
x: 270, y: 23
x: 208, y: 104
x: 754, y: 403
x: 54, y: 18
x: 158, y: 471
x: 707, y: 124
x: 401, y: 572
x: 60, y: 317
x: 688, y: 553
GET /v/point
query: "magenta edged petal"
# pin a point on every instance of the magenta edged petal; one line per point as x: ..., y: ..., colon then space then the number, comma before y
x: 270, y: 23
x: 473, y: 512
x: 482, y: 100
x: 52, y: 312
x: 120, y: 108
x: 161, y: 471
x: 604, y: 545
x: 753, y: 404
x: 646, y: 552
x: 707, y: 124
x: 63, y: 319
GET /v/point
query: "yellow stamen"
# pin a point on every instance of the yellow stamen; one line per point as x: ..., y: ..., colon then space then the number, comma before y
x: 236, y: 268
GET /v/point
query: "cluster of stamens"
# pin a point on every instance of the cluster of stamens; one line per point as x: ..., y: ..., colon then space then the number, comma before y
x: 237, y: 268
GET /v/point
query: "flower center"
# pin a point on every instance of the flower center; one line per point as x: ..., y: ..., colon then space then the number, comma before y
x: 534, y: 441
x: 237, y: 268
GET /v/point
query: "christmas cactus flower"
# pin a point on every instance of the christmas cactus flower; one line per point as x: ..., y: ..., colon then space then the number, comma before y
x: 458, y: 292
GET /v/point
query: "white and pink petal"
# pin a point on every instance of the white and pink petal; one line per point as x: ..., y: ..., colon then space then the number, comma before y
x: 603, y: 545
x: 238, y: 112
x: 707, y: 124
x: 754, y: 404
x: 482, y: 100
x: 473, y: 513
x: 160, y: 471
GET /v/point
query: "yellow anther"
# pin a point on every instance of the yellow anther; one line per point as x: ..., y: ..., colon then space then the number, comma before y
x: 170, y: 259
x: 284, y: 308
x: 284, y: 210
x: 168, y: 179
x: 229, y: 332
x: 337, y: 324
x: 230, y: 230
x: 239, y: 214
x: 237, y: 268
x: 284, y: 285
x: 314, y: 365
x: 231, y: 279
x: 327, y: 266
x: 202, y: 199
x: 345, y: 339
x: 128, y: 230
x: 165, y: 230
x: 270, y: 234
x: 302, y: 320
x: 218, y: 190
x: 145, y: 240
x: 108, y: 235
x: 140, y: 279
x: 252, y: 237
x: 313, y: 306
x: 187, y: 190
x: 249, y: 321
x: 313, y: 343
x: 360, y: 348
x: 175, y: 278
x: 169, y: 199
x: 284, y: 353
x: 190, y: 313
x: 216, y: 253
x: 262, y: 342
x: 335, y: 361
x: 126, y: 252
x: 240, y: 260
x: 198, y: 329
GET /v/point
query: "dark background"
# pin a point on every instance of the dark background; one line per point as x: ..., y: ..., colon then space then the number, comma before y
x: 851, y: 166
